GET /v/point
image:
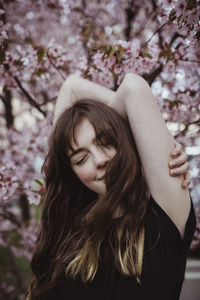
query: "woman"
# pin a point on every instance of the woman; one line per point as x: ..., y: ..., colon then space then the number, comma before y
x: 114, y: 224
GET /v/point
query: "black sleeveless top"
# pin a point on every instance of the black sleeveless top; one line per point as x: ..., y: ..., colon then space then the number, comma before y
x: 164, y: 263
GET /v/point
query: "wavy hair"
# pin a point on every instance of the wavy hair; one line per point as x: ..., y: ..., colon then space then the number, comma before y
x: 78, y: 231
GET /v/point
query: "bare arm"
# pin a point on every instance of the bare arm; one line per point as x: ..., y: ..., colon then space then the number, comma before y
x: 76, y: 88
x: 154, y: 142
x: 150, y: 132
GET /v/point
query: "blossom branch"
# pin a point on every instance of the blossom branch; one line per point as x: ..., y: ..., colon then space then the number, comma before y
x: 9, y: 216
x: 25, y: 208
x: 130, y: 15
x: 187, y: 126
x: 15, y: 269
x: 4, y: 294
x: 56, y: 68
x: 150, y: 78
x: 7, y: 98
x: 157, y: 31
x: 190, y: 60
x: 28, y: 96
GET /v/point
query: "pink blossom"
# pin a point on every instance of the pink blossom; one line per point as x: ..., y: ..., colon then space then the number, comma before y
x: 117, y: 69
x: 43, y: 42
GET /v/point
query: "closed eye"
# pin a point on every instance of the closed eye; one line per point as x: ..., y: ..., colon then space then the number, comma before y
x: 103, y: 142
x: 81, y: 161
x: 105, y: 145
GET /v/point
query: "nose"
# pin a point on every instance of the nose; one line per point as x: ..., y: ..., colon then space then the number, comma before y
x: 101, y: 158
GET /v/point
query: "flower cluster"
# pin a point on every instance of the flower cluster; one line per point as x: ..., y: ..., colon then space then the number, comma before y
x: 42, y: 42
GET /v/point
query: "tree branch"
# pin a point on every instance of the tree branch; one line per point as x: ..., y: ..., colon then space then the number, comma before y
x: 56, y: 68
x: 190, y: 60
x: 24, y: 207
x: 6, y: 98
x: 130, y: 15
x: 152, y: 76
x: 10, y: 217
x: 28, y: 96
x: 16, y: 272
x: 186, y: 127
x: 159, y: 29
x: 155, y: 8
x: 4, y: 294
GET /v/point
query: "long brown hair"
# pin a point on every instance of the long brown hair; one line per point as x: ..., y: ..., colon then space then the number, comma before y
x: 75, y: 224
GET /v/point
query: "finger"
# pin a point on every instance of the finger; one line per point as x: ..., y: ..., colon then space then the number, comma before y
x: 177, y: 149
x: 176, y: 162
x: 180, y: 170
x: 187, y: 180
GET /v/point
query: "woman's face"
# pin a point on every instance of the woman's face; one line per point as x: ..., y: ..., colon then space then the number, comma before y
x: 89, y: 157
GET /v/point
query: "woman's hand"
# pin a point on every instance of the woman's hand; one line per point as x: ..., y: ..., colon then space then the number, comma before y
x: 178, y: 165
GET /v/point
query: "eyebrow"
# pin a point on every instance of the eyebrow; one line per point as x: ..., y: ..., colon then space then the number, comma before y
x: 74, y: 152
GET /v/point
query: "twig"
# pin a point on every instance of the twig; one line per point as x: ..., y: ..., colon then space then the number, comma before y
x: 130, y: 15
x: 186, y: 127
x: 4, y: 294
x: 56, y: 68
x: 28, y: 96
x: 190, y: 60
x: 154, y: 34
x: 7, y: 101
x: 152, y: 76
x: 11, y: 217
x: 15, y: 269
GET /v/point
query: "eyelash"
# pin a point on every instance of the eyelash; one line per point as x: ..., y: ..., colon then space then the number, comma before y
x: 105, y: 144
x: 79, y: 162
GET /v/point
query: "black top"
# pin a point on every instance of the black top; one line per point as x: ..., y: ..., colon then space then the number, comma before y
x: 163, y: 266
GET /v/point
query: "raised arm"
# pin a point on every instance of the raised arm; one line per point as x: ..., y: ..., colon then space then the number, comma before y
x: 154, y: 142
x: 76, y: 88
x: 135, y: 95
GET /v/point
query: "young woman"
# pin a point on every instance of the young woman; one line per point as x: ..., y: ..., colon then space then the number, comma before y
x: 114, y: 224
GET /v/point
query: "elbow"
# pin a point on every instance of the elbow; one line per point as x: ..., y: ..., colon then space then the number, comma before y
x: 69, y: 82
x: 71, y: 78
x: 132, y: 81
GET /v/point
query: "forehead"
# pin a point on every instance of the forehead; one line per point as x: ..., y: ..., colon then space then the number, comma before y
x: 84, y: 133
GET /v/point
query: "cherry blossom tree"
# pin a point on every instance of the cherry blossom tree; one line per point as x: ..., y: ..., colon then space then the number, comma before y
x: 43, y: 42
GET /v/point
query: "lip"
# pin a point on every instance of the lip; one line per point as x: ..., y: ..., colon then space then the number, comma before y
x: 101, y: 178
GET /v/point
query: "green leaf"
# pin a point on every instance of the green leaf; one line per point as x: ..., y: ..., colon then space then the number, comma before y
x: 119, y: 53
x: 172, y: 15
x: 39, y: 72
x: 166, y: 53
x: 110, y: 51
x: 166, y: 100
x: 40, y: 54
x: 39, y: 181
x: 145, y: 54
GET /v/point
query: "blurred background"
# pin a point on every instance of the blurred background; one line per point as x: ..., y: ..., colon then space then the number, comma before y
x: 41, y: 44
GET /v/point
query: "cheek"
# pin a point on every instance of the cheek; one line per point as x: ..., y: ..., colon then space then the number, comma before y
x: 112, y: 153
x: 85, y: 173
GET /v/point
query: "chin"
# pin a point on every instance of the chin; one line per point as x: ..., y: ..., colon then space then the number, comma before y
x: 102, y: 192
x: 99, y: 189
